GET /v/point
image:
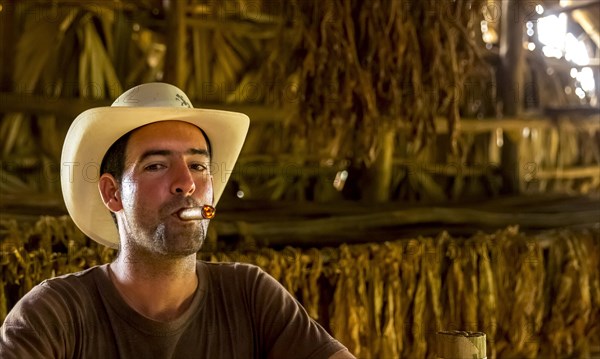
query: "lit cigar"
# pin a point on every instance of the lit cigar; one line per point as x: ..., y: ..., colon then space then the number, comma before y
x: 190, y: 214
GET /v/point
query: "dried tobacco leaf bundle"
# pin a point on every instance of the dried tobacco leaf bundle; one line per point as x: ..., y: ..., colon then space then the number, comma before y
x: 571, y: 293
x: 345, y: 321
x: 312, y: 270
x: 487, y: 321
x: 363, y: 67
x: 518, y: 266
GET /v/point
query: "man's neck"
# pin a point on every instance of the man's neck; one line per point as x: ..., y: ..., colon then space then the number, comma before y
x: 160, y: 289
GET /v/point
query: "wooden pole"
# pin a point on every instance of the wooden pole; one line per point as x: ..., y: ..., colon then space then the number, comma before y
x: 176, y: 41
x: 511, y: 58
x: 510, y: 81
x: 7, y: 44
x: 379, y: 177
x: 461, y: 345
x: 202, y: 45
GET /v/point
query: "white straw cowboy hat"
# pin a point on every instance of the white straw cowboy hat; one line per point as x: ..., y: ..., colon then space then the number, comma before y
x: 93, y: 132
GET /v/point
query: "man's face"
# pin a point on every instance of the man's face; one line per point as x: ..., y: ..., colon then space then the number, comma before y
x: 166, y: 169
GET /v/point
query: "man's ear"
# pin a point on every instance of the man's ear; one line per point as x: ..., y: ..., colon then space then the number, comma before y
x: 109, y: 190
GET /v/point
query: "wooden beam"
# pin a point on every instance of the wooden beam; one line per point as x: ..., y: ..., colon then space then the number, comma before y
x: 569, y: 173
x: 127, y: 5
x: 578, y: 111
x: 474, y: 125
x: 284, y: 232
x: 241, y: 13
x: 448, y: 169
x: 71, y: 107
x: 250, y: 30
x: 33, y: 104
x: 32, y: 206
x: 176, y: 42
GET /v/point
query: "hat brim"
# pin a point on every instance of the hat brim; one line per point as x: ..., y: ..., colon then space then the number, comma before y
x: 93, y: 132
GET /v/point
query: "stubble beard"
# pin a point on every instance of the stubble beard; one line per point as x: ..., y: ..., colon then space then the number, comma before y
x: 177, y: 242
x: 166, y: 236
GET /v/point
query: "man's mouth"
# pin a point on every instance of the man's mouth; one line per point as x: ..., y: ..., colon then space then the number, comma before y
x: 189, y: 214
x: 196, y: 213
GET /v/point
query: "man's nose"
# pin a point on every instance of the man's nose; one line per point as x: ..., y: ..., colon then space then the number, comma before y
x: 183, y: 181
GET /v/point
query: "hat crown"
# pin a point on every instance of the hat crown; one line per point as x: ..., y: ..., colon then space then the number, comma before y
x: 154, y: 94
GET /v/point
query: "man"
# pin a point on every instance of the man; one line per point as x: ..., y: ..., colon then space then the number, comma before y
x: 163, y: 167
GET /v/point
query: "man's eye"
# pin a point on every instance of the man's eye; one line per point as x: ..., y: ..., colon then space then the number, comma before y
x: 199, y: 167
x: 154, y: 167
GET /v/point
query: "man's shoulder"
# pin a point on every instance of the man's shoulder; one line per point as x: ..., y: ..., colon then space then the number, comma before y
x: 54, y: 300
x: 73, y: 281
x: 64, y: 290
x: 233, y: 274
x: 80, y: 275
x: 230, y: 269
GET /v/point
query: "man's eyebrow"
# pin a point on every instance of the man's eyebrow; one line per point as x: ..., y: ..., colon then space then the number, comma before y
x: 191, y: 151
x: 198, y: 151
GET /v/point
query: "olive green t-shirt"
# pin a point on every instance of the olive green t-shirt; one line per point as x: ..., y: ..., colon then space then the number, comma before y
x: 238, y: 311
